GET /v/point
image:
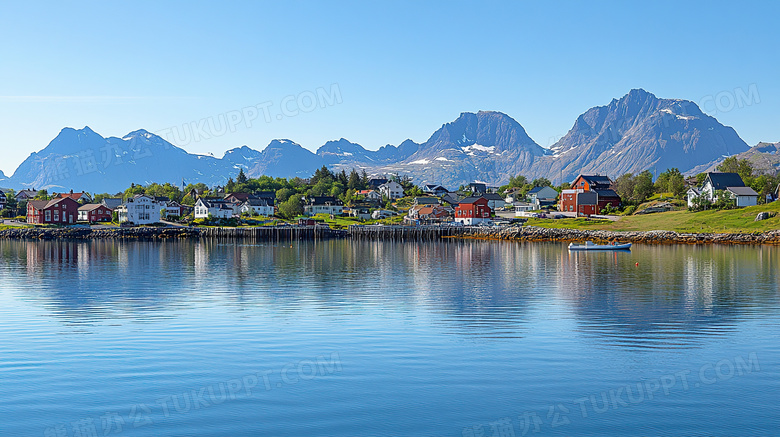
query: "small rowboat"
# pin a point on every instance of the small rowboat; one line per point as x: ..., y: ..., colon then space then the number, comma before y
x: 589, y: 245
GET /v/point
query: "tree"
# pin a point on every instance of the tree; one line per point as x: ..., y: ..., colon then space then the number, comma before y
x: 292, y: 207
x: 644, y: 186
x: 230, y: 186
x: 743, y: 167
x: 353, y: 182
x: 541, y: 182
x: 624, y: 186
x: 241, y: 178
x: 42, y: 195
x: 670, y: 181
x: 282, y: 194
x: 517, y: 181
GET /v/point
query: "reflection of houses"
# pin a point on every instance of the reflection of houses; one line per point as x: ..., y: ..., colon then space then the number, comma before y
x: 94, y: 212
x: 472, y: 211
x: 56, y: 211
x: 543, y: 197
x: 392, y: 190
x: 589, y: 195
x: 323, y: 205
x: 140, y: 210
x: 730, y: 183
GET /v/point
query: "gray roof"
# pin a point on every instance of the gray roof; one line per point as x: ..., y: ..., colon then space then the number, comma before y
x: 742, y: 191
x: 257, y: 202
x: 111, y: 202
x: 492, y: 196
x: 607, y: 193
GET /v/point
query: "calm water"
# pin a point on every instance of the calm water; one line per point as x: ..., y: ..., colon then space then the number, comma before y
x: 371, y: 339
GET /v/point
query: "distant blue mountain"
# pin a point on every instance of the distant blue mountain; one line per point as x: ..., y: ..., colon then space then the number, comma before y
x: 636, y: 132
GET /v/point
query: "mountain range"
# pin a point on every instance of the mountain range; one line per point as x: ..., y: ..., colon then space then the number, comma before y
x: 634, y: 133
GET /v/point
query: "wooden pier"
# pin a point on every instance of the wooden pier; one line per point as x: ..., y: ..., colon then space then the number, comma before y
x: 273, y: 233
x: 403, y: 233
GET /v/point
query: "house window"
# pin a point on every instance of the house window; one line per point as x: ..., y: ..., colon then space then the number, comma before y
x: 56, y: 215
x: 48, y: 216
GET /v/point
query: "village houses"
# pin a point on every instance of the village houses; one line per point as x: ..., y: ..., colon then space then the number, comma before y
x: 94, y: 212
x: 62, y: 211
x: 392, y: 190
x: 588, y: 195
x: 140, y: 210
x: 730, y: 184
x: 473, y: 211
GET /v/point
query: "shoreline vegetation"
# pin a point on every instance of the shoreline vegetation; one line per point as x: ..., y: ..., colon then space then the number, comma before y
x: 393, y: 233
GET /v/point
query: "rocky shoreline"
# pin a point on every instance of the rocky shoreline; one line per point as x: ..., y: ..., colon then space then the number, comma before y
x: 513, y: 233
x: 532, y: 233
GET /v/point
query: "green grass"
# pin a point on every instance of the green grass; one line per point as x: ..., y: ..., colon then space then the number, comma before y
x: 726, y: 221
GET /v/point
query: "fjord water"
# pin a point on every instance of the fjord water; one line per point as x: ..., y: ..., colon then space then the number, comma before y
x: 340, y: 338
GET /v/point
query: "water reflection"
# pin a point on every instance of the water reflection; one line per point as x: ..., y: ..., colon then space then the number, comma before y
x: 668, y: 296
x: 676, y: 296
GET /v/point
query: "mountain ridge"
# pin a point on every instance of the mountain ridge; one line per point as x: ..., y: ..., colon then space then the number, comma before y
x: 635, y: 132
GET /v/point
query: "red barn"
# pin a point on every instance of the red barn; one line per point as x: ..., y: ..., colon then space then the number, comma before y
x: 472, y: 210
x: 61, y: 211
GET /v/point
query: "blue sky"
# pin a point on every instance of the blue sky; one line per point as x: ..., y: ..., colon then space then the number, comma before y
x: 385, y: 71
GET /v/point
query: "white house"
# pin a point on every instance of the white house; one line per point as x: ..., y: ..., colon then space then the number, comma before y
x: 744, y: 196
x: 392, y: 190
x: 436, y: 190
x: 730, y: 183
x: 370, y: 195
x: 140, y: 210
x: 382, y: 213
x: 522, y: 207
x: 216, y: 208
x: 323, y: 205
x: 258, y: 206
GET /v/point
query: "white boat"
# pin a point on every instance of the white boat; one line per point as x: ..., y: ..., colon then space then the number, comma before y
x: 589, y: 245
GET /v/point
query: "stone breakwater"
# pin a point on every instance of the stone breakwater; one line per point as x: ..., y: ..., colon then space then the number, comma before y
x: 168, y: 233
x: 515, y: 233
x: 532, y: 233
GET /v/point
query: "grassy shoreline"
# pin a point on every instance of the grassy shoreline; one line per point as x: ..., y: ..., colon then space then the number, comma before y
x: 734, y: 221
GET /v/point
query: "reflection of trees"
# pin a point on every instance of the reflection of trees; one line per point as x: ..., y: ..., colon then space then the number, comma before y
x: 675, y: 297
x: 97, y: 280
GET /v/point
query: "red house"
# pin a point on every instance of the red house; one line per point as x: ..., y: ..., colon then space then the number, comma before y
x: 95, y: 212
x: 62, y: 211
x: 472, y: 210
x: 589, y: 195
